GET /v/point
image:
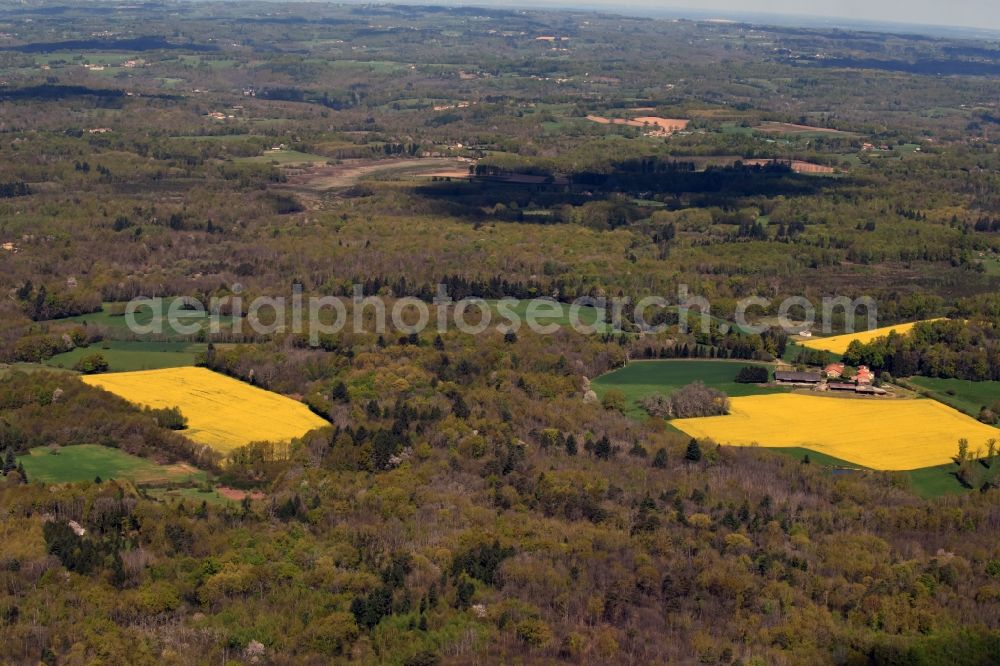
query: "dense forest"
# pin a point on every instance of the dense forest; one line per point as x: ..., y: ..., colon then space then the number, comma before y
x: 435, y: 527
x: 478, y: 497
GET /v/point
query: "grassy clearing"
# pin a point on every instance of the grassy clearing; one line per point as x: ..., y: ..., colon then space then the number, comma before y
x: 815, y: 457
x: 935, y: 481
x: 206, y: 61
x: 189, y: 495
x: 927, y: 482
x: 546, y: 313
x: 7, y: 368
x: 990, y: 263
x: 962, y: 394
x: 219, y: 137
x: 552, y: 312
x: 641, y: 379
x: 943, y: 480
x: 880, y: 434
x: 112, y: 316
x: 373, y: 66
x: 79, y: 57
x: 734, y: 128
x: 285, y: 157
x: 109, y: 316
x: 127, y: 356
x: 154, y: 323
x: 87, y: 461
x: 222, y: 412
x: 793, y: 350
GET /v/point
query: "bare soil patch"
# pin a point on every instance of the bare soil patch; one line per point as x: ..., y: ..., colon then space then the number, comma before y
x: 656, y: 123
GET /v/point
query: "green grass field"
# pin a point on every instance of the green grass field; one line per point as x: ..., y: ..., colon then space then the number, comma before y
x: 188, y: 495
x: 942, y: 480
x: 87, y: 461
x: 734, y: 128
x: 112, y: 317
x: 207, y: 61
x: 547, y: 313
x: 815, y: 457
x: 285, y: 157
x: 78, y: 57
x: 373, y: 66
x: 107, y: 316
x: 926, y: 482
x: 792, y: 351
x: 963, y: 395
x: 991, y: 265
x: 7, y: 368
x: 218, y: 137
x: 559, y: 313
x: 641, y: 379
x: 935, y: 481
x: 125, y: 356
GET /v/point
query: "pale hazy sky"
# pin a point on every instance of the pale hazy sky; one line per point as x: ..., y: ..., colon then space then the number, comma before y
x: 973, y: 13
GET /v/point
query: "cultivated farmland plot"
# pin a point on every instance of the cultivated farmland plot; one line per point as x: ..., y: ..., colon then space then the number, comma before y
x: 838, y: 344
x: 880, y: 434
x: 641, y: 379
x: 222, y: 412
x: 656, y: 123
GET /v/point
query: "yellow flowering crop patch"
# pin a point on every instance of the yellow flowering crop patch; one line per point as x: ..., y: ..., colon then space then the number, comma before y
x: 837, y: 344
x: 881, y: 434
x: 222, y: 412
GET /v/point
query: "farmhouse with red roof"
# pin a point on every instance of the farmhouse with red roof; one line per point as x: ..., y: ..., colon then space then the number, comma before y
x: 834, y: 370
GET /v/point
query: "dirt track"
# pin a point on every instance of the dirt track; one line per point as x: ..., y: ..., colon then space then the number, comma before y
x: 798, y: 166
x: 347, y: 174
x: 793, y: 128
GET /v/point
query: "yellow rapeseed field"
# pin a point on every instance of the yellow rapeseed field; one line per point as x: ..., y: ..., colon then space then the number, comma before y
x: 222, y: 412
x: 837, y: 344
x: 881, y: 434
